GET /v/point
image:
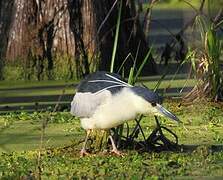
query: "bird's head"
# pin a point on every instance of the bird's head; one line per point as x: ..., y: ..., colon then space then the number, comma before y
x: 153, y: 103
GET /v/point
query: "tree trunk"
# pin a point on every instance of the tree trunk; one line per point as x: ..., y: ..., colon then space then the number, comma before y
x: 39, y: 32
x: 6, y: 18
x: 94, y: 35
x: 41, y: 29
x: 82, y: 24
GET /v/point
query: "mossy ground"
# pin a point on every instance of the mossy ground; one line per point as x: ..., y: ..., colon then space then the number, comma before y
x: 60, y: 159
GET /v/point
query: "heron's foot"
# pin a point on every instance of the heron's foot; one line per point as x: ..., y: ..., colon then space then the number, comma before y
x: 117, y: 152
x: 83, y: 153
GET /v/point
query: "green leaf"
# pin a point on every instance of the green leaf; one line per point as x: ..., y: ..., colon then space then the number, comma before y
x: 131, y: 76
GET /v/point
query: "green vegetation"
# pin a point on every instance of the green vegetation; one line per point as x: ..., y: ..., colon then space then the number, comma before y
x: 20, y: 141
x: 175, y: 5
x: 46, y: 145
x: 20, y: 70
x: 22, y: 131
x: 134, y: 166
x: 206, y: 59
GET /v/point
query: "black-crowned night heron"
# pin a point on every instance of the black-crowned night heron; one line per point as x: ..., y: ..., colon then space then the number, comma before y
x: 103, y: 101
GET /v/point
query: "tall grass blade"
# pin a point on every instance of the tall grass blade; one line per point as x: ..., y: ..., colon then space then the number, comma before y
x: 160, y: 81
x: 127, y: 57
x: 219, y: 24
x: 116, y: 37
x: 143, y: 64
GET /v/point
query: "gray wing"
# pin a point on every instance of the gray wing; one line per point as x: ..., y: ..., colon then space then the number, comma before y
x: 84, y: 104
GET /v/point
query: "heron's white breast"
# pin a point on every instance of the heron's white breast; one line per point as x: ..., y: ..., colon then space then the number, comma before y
x: 121, y: 107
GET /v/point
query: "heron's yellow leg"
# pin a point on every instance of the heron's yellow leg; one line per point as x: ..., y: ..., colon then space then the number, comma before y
x: 114, y: 148
x: 83, y: 150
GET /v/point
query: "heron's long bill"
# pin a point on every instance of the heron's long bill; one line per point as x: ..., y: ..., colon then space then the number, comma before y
x: 167, y: 113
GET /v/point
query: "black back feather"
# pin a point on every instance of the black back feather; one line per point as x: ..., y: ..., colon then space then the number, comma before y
x: 87, y: 84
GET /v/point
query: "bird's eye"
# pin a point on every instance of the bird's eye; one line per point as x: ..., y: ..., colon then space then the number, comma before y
x: 153, y: 104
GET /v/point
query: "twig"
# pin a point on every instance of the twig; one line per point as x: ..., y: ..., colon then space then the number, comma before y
x: 147, y: 17
x: 106, y: 18
x: 44, y: 125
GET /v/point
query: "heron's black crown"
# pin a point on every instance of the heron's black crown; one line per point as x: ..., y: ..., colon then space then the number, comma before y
x: 147, y: 94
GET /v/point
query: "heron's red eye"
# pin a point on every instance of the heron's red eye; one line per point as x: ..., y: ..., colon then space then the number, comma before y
x: 153, y: 104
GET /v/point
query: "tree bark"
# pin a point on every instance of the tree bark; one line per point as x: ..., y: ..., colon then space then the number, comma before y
x: 6, y: 17
x: 40, y: 30
x: 82, y: 24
